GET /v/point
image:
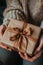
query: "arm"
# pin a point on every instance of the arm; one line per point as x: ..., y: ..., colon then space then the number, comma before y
x: 2, y: 29
x: 41, y: 40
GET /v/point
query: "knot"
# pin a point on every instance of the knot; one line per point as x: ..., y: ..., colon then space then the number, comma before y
x: 21, y: 37
x: 21, y: 33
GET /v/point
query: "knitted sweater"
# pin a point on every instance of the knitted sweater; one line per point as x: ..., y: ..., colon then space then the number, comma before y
x: 34, y: 7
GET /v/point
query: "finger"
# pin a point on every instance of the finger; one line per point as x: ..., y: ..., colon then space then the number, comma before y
x: 40, y: 46
x: 28, y: 58
x: 36, y: 56
x: 25, y: 56
x: 9, y: 49
x: 3, y: 29
x: 5, y: 47
x: 22, y: 56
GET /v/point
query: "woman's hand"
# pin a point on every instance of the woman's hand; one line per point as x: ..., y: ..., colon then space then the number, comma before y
x: 37, y: 53
x: 2, y: 29
x: 40, y: 45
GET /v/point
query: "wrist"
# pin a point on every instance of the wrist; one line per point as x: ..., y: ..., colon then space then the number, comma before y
x: 4, y: 28
x: 6, y: 22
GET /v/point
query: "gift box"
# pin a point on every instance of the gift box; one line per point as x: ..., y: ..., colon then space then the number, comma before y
x: 21, y: 36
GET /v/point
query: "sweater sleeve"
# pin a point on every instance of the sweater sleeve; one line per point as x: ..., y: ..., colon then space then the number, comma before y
x: 5, y: 22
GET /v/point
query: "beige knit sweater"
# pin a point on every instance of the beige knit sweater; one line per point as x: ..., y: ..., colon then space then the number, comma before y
x: 34, y: 6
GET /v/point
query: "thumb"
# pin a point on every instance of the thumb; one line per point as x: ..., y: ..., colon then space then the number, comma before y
x: 2, y: 29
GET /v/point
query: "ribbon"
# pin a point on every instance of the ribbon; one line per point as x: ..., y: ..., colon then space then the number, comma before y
x: 21, y: 34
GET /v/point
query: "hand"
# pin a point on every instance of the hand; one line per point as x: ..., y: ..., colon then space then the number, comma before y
x: 2, y: 29
x: 27, y: 58
x: 40, y: 45
x: 37, y: 53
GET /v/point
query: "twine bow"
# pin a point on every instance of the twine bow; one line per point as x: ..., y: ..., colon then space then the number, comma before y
x: 22, y: 34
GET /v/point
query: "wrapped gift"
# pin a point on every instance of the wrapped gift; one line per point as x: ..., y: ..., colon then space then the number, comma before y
x: 21, y: 36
